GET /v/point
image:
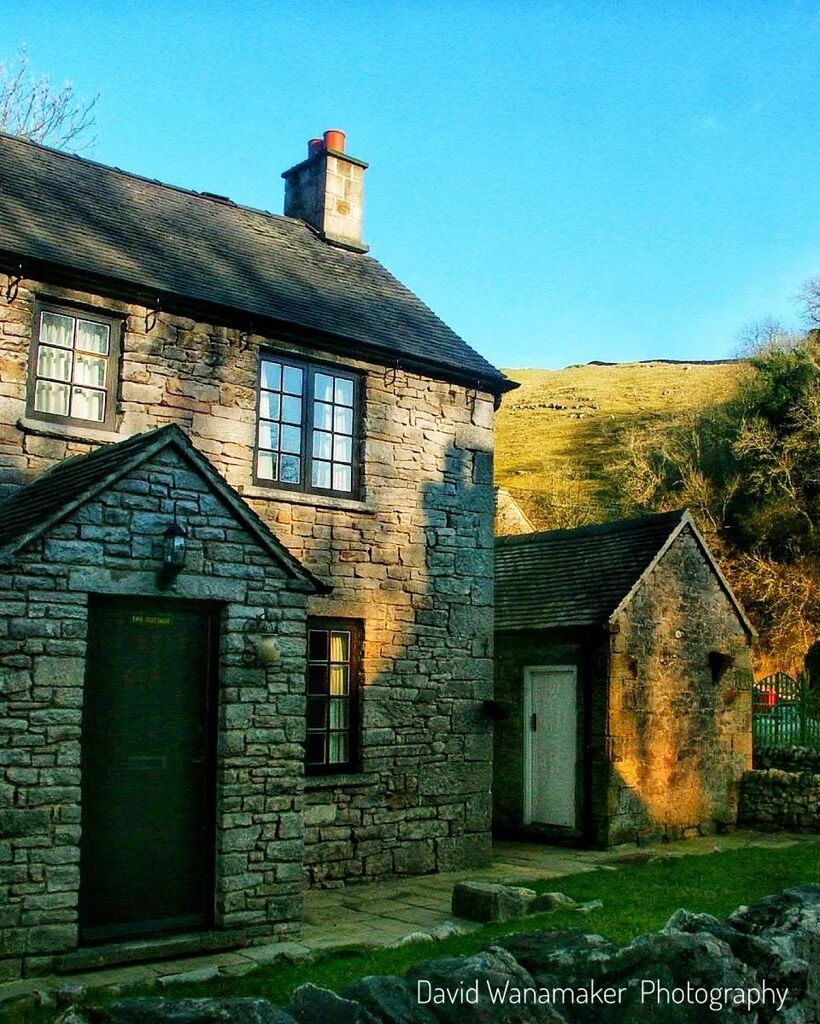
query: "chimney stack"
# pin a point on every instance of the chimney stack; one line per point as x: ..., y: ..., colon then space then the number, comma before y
x: 327, y: 191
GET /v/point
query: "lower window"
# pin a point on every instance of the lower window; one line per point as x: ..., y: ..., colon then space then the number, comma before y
x: 333, y: 695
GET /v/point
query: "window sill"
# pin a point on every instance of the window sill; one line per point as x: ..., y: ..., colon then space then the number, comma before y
x: 302, y: 498
x: 67, y: 431
x: 348, y: 781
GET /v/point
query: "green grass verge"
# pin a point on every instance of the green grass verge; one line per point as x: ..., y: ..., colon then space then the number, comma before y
x: 637, y: 898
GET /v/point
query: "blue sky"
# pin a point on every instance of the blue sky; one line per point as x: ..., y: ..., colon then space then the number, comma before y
x: 559, y: 181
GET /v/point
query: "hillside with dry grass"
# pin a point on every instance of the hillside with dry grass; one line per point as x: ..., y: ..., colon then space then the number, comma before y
x: 598, y: 442
x: 558, y: 435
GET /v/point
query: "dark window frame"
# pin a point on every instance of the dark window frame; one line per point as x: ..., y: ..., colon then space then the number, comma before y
x: 356, y: 686
x: 309, y: 370
x: 112, y: 385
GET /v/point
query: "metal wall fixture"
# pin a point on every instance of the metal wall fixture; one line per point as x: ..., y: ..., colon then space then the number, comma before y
x: 174, y: 553
x: 261, y: 645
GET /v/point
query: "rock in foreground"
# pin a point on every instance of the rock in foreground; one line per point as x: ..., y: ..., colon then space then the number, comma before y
x: 761, y: 965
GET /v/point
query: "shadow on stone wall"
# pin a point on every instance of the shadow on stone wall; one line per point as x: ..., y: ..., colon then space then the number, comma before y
x: 426, y: 737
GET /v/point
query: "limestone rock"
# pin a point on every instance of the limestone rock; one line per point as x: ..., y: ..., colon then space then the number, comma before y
x: 549, y: 901
x: 413, y: 937
x: 390, y: 999
x: 588, y: 907
x: 314, y: 1005
x: 672, y: 961
x: 191, y: 1011
x: 561, y: 952
x: 72, y: 1016
x: 488, y: 901
x: 491, y: 969
x: 772, y: 961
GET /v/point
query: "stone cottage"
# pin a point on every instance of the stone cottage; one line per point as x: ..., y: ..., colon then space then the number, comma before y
x: 246, y: 560
x: 623, y: 683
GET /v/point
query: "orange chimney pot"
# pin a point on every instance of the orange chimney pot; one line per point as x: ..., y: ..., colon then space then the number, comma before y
x: 335, y: 139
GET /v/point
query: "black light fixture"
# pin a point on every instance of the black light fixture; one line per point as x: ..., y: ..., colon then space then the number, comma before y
x: 174, y: 549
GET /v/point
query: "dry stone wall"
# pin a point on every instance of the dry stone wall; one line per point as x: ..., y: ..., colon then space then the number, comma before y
x: 679, y: 730
x: 774, y: 798
x: 412, y: 559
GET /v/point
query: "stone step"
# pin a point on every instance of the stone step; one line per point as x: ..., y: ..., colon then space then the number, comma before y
x: 141, y: 950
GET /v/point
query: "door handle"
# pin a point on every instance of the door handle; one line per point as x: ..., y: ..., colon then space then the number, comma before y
x: 534, y: 722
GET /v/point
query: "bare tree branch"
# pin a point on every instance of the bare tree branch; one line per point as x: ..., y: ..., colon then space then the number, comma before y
x: 32, y: 108
x: 810, y: 297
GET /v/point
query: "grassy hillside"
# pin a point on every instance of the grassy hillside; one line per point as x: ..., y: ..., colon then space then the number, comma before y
x: 558, y: 432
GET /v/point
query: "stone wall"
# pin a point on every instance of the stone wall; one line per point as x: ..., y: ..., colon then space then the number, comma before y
x: 514, y: 652
x: 112, y: 545
x: 788, y: 759
x: 679, y: 730
x: 413, y: 559
x: 779, y: 799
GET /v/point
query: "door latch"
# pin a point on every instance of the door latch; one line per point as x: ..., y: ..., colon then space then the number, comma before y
x: 533, y: 721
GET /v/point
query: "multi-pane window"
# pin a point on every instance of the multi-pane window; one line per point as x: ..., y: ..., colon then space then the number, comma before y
x: 307, y: 426
x: 73, y: 367
x: 332, y: 694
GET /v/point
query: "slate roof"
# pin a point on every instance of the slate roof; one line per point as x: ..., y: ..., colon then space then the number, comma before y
x: 51, y: 497
x: 579, y: 577
x: 74, y: 213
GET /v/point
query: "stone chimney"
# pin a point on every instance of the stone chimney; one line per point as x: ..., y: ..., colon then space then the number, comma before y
x: 327, y: 191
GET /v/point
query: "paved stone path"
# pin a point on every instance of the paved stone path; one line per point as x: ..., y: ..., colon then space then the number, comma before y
x: 385, y: 913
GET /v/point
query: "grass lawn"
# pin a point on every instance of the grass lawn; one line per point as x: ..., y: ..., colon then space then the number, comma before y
x: 637, y: 898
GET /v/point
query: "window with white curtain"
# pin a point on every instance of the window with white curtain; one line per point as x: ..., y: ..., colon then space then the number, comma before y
x: 73, y: 368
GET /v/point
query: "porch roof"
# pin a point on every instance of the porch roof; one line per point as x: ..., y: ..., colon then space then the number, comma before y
x: 58, y: 492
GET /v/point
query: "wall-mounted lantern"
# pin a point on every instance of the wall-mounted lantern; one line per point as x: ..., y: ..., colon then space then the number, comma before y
x: 174, y: 551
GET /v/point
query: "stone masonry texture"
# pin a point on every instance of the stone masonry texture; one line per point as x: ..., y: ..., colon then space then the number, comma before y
x: 111, y: 545
x: 774, y: 799
x: 679, y: 731
x: 411, y: 558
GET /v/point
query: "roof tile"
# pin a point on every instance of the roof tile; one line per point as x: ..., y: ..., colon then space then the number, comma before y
x: 574, y: 577
x: 75, y: 213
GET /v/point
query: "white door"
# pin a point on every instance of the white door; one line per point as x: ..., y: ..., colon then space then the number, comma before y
x: 550, y: 745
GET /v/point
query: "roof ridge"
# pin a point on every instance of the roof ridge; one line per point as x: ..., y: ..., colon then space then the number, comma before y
x: 593, y: 529
x: 205, y: 196
x: 150, y: 237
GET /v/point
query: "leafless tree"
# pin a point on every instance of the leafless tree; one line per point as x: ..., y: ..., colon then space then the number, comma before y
x: 810, y: 297
x: 32, y: 108
x: 763, y: 336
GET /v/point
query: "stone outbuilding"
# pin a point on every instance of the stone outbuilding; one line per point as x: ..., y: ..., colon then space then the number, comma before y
x: 622, y: 683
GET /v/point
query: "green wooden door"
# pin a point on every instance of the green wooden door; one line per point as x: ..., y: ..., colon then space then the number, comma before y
x: 147, y: 847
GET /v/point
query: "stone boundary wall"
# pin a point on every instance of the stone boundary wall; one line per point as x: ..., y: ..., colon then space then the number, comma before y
x: 778, y: 799
x: 788, y: 759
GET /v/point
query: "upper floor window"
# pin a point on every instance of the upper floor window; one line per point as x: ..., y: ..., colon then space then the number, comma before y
x: 307, y: 430
x: 73, y: 375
